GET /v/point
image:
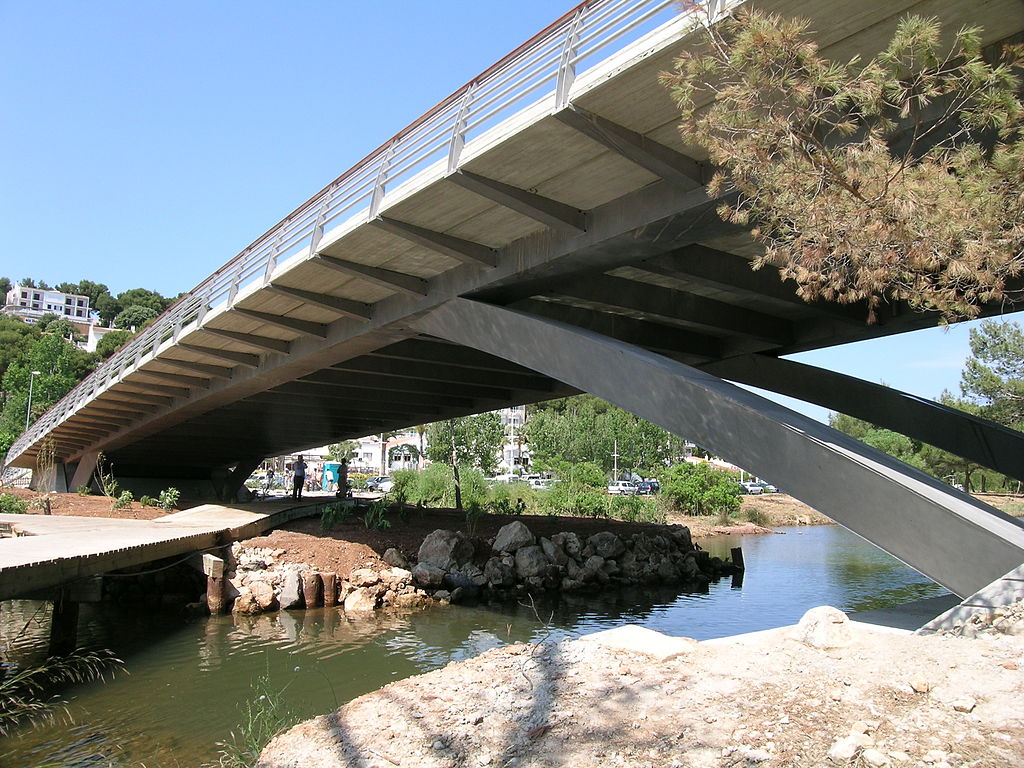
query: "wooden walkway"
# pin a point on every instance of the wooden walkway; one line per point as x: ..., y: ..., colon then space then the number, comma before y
x: 56, y: 549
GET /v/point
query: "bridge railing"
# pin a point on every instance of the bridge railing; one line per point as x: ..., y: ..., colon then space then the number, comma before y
x: 542, y: 69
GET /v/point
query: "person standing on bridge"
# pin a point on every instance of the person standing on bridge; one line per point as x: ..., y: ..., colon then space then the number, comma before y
x: 298, y: 478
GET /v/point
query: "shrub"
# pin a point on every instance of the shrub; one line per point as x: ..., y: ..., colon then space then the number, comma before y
x: 169, y: 498
x: 636, y: 509
x: 124, y: 500
x: 374, y: 516
x: 756, y: 516
x: 700, y: 489
x: 336, y: 513
x: 84, y: 490
x: 147, y: 501
x: 12, y: 505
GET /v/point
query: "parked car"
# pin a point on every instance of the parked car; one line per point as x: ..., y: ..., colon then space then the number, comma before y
x: 750, y: 487
x: 766, y: 487
x: 622, y: 488
x: 373, y: 483
x: 648, y: 487
x: 540, y: 483
x: 386, y: 485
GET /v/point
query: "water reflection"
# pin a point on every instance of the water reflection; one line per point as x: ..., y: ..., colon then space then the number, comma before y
x: 187, y: 679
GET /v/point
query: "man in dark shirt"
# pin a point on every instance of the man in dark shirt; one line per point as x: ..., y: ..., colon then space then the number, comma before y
x: 298, y: 478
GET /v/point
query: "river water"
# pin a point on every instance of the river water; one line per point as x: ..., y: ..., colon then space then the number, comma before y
x: 185, y: 680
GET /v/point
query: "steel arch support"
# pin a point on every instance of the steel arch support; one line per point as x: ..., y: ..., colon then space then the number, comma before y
x: 952, y: 538
x: 978, y: 440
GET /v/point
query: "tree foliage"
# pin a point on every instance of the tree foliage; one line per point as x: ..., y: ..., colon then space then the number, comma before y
x: 584, y: 428
x: 112, y: 341
x: 469, y: 441
x: 895, y: 178
x: 700, y: 489
x: 134, y: 317
x: 993, y: 375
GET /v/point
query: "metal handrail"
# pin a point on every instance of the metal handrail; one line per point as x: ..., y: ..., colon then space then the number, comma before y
x: 501, y: 90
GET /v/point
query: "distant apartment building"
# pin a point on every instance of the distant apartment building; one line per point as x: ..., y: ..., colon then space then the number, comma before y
x: 30, y: 304
x: 514, y: 452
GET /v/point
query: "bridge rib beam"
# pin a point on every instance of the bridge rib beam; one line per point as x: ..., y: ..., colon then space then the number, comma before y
x: 674, y: 167
x: 725, y: 271
x: 240, y: 358
x: 687, y: 308
x: 455, y: 247
x: 346, y: 307
x: 962, y: 434
x: 191, y: 382
x: 214, y: 371
x: 660, y: 338
x: 302, y: 327
x: 548, y: 212
x: 260, y: 342
x: 947, y: 535
x: 385, y: 278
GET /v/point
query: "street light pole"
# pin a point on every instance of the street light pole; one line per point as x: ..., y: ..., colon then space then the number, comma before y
x: 28, y: 409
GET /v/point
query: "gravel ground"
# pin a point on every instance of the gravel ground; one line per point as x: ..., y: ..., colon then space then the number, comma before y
x: 883, y: 699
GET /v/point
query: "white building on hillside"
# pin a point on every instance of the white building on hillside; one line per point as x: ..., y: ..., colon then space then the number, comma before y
x: 30, y: 304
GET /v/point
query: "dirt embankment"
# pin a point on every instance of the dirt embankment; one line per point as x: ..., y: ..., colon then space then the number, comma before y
x: 879, y: 700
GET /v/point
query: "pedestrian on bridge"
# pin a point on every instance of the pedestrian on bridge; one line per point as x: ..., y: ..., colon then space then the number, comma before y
x: 298, y: 478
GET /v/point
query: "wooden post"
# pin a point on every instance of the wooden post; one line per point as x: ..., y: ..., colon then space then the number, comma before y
x: 737, y: 557
x: 330, y: 589
x: 311, y: 588
x: 213, y: 567
x: 63, y: 627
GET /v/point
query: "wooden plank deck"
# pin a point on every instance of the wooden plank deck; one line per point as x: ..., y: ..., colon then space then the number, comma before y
x: 55, y: 549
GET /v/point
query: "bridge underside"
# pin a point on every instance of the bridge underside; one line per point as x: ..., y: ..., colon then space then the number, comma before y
x: 584, y: 209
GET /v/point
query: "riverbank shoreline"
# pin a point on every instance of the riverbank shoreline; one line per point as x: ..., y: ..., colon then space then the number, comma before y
x: 871, y: 696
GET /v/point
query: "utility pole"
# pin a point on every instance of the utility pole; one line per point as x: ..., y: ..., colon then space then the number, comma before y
x: 615, y: 459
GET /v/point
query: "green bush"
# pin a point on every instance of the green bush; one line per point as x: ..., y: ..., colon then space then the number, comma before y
x: 699, y: 489
x: 636, y: 509
x: 148, y: 501
x: 755, y: 516
x: 12, y: 505
x: 169, y: 498
x: 124, y: 500
x: 336, y: 513
x: 84, y: 490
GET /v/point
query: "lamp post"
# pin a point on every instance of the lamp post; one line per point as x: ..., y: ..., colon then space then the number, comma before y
x: 28, y: 409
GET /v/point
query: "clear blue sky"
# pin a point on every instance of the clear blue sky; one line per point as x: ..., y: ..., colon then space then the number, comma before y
x: 144, y: 144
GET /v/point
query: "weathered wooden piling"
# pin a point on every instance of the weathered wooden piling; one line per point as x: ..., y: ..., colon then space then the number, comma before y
x: 216, y: 597
x: 63, y: 627
x: 330, y: 581
x: 311, y: 588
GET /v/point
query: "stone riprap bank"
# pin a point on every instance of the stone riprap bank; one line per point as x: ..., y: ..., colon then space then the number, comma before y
x: 452, y: 567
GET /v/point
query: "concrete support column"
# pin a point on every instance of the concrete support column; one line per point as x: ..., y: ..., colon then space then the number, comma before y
x: 84, y: 469
x: 979, y: 440
x: 63, y: 627
x: 947, y: 535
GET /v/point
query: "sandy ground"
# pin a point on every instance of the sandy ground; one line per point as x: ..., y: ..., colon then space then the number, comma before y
x: 884, y: 699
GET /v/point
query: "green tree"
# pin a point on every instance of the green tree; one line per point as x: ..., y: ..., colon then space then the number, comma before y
x: 700, y: 489
x: 5, y: 286
x: 59, y: 326
x: 895, y: 178
x: 112, y: 341
x: 471, y: 441
x: 346, y: 449
x: 993, y: 375
x: 584, y: 428
x: 61, y: 365
x: 16, y: 339
x: 134, y: 317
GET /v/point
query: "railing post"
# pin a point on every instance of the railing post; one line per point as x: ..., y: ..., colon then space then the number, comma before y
x: 567, y: 61
x: 459, y: 128
x: 321, y: 220
x: 204, y: 307
x: 236, y: 281
x: 382, y: 178
x: 274, y: 251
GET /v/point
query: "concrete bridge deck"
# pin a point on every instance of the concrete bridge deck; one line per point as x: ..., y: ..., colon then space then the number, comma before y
x: 56, y: 549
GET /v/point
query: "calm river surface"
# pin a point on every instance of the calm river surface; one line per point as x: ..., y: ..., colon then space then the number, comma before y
x: 184, y: 681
